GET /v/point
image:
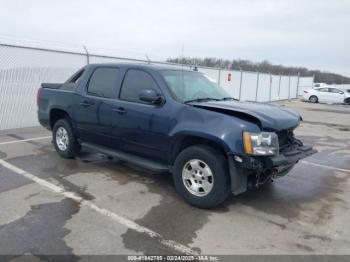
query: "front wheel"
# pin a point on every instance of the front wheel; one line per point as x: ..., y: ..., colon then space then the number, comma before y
x: 64, y: 140
x: 201, y: 176
x: 347, y: 101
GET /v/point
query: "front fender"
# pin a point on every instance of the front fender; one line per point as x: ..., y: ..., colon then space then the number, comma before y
x: 191, y: 133
x: 224, y: 130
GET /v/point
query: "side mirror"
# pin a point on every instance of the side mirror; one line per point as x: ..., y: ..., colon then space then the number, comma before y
x: 150, y: 96
x: 341, y: 92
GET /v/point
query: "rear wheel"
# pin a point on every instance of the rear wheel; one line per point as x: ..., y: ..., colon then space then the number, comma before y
x: 313, y: 99
x: 201, y: 176
x: 64, y: 140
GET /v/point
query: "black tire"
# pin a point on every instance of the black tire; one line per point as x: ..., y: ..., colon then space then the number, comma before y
x: 73, y: 147
x: 347, y: 101
x: 313, y: 99
x: 219, y: 169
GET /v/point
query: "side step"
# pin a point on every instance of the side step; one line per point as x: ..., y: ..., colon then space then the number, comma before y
x: 130, y: 158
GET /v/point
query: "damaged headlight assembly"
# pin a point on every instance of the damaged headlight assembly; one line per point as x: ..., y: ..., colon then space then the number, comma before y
x: 261, y: 144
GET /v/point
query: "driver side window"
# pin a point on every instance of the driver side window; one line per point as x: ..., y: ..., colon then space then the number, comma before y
x: 334, y: 90
x: 134, y: 82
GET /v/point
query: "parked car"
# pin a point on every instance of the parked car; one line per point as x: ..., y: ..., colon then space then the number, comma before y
x: 170, y: 120
x: 327, y: 95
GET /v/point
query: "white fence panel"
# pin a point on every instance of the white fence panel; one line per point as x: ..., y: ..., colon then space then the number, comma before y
x: 212, y: 73
x: 275, y: 84
x: 293, y: 87
x: 21, y: 73
x: 343, y: 86
x: 232, y: 86
x: 263, y: 88
x: 99, y: 59
x: 249, y: 83
x: 305, y: 83
x: 284, y: 89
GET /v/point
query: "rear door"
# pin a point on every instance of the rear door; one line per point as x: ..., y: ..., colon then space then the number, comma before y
x: 94, y: 110
x: 323, y: 94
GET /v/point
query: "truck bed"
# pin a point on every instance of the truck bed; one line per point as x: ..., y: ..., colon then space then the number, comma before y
x: 51, y: 85
x: 54, y: 95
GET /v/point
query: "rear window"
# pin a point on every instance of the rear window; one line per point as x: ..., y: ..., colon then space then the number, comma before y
x: 103, y: 82
x: 76, y: 77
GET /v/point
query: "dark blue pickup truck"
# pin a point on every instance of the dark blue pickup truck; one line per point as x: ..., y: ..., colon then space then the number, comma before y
x: 172, y: 120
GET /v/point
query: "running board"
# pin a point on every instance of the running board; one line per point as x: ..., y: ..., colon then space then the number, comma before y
x: 130, y: 158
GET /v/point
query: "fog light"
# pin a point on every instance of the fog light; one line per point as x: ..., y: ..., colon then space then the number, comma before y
x: 238, y: 159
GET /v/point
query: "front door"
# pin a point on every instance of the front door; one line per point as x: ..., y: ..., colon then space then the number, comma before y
x: 336, y: 95
x: 141, y: 128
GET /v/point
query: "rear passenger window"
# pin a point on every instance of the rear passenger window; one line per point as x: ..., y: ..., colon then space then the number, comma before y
x: 323, y: 89
x: 103, y: 82
x: 134, y: 82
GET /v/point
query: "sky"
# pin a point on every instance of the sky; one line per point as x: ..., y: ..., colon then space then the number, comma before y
x: 309, y: 33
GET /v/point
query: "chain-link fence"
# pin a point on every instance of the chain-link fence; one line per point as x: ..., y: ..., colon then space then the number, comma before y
x: 23, y: 67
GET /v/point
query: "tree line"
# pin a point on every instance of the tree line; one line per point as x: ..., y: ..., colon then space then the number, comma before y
x: 262, y: 67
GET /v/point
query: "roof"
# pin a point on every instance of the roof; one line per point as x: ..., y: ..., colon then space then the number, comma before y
x: 156, y: 67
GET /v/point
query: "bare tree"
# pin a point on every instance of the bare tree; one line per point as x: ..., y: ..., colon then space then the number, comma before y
x: 263, y: 67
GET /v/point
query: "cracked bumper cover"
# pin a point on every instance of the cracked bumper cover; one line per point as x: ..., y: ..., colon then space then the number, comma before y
x: 286, y: 158
x: 290, y: 156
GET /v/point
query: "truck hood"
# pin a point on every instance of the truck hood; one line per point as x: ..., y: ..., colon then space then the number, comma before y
x: 269, y: 117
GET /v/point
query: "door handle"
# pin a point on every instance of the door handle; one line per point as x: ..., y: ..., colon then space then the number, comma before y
x: 87, y: 103
x: 120, y: 110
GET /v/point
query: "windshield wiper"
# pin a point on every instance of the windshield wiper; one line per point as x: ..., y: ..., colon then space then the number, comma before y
x: 205, y: 99
x: 229, y: 98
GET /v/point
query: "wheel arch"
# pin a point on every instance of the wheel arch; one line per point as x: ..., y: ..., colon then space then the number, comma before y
x: 237, y: 178
x: 313, y: 95
x: 57, y: 114
x: 184, y: 140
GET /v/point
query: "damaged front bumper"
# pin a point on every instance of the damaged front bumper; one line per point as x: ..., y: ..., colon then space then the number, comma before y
x: 245, y: 170
x: 289, y: 156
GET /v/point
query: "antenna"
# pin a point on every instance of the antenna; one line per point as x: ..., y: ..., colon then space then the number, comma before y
x: 182, y: 54
x: 148, y: 60
x: 182, y: 67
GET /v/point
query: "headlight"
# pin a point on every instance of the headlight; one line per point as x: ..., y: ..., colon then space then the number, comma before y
x: 261, y: 144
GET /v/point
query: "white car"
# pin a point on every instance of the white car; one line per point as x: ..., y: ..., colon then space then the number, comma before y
x: 327, y: 95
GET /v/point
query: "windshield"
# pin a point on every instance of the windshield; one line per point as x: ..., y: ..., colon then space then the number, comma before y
x: 187, y: 86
